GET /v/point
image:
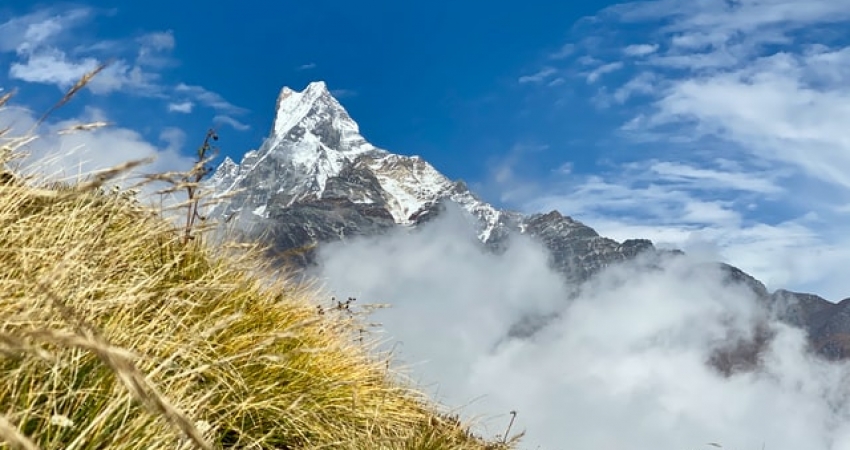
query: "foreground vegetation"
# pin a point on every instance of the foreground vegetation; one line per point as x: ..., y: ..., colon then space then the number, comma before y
x: 118, y: 331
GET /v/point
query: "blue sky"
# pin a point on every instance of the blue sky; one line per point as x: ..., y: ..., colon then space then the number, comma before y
x: 717, y: 127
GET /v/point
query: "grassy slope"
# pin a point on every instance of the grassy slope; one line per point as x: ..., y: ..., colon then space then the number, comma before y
x: 114, y: 334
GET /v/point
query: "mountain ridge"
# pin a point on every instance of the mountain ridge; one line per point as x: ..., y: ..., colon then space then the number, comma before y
x: 316, y: 179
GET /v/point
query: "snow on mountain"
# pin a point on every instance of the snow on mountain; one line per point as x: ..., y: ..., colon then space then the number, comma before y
x: 489, y: 217
x: 226, y: 174
x: 324, y: 135
x: 410, y: 183
x: 312, y: 140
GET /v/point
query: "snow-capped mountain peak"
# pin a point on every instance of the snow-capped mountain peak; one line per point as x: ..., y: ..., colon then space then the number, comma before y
x: 294, y: 106
x: 313, y: 140
x: 314, y: 131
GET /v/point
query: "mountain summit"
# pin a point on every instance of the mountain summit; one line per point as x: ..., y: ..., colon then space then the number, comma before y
x: 316, y: 179
x: 316, y: 120
x: 312, y: 139
x: 315, y: 151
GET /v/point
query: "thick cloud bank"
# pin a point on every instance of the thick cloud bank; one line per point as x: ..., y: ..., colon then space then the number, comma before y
x: 623, y: 365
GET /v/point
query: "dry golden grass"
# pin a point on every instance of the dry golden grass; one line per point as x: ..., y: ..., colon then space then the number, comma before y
x: 117, y: 333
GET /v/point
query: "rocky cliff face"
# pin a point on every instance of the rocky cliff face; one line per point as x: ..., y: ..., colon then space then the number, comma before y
x: 315, y: 179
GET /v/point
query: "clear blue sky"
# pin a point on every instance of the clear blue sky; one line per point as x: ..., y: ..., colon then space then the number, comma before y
x: 435, y: 78
x: 718, y: 127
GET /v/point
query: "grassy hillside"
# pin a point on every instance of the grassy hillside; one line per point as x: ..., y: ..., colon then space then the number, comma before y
x: 116, y: 333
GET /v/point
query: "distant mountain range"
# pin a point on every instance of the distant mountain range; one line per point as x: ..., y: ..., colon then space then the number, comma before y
x: 315, y: 180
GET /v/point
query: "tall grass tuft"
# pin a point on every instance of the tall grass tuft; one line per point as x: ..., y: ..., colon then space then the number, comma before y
x: 118, y: 332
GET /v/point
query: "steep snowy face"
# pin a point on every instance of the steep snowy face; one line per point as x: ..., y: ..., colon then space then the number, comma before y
x: 489, y: 218
x: 313, y: 138
x: 316, y: 118
x: 314, y: 134
x: 226, y: 173
x: 412, y: 185
x: 409, y: 183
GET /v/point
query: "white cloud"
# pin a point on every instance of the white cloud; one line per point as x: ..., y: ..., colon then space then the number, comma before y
x: 50, y: 47
x: 736, y: 133
x: 706, y: 34
x: 661, y: 203
x: 538, y: 77
x: 209, y: 98
x: 307, y: 66
x: 705, y: 178
x: 175, y: 138
x: 24, y: 33
x: 596, y: 73
x: 644, y: 83
x: 780, y: 108
x: 623, y: 366
x: 565, y: 51
x: 181, y: 107
x: 154, y: 49
x: 37, y: 33
x: 75, y: 155
x: 122, y: 77
x: 52, y: 67
x: 504, y: 169
x: 709, y: 22
x: 158, y: 41
x: 640, y: 49
x: 42, y: 58
x: 564, y: 169
x: 231, y: 122
x: 343, y: 93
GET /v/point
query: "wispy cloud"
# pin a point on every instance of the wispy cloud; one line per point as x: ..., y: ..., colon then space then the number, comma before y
x: 640, y: 49
x: 703, y: 24
x: 155, y: 48
x: 157, y: 41
x: 182, y: 107
x: 41, y: 42
x: 644, y: 83
x: 307, y: 66
x: 539, y: 76
x: 209, y: 98
x: 565, y: 51
x: 231, y: 122
x: 704, y: 178
x: 52, y: 67
x: 51, y: 46
x: 504, y: 168
x: 343, y: 93
x: 748, y: 215
x: 174, y: 138
x: 782, y: 108
x: 598, y: 72
x: 43, y: 27
x: 751, y: 97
